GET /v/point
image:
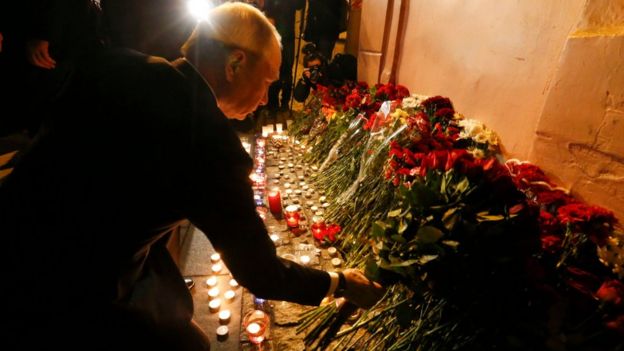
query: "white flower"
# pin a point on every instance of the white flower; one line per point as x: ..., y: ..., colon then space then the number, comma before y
x: 409, y: 102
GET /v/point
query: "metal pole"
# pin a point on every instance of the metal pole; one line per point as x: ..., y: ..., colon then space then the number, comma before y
x: 300, y: 36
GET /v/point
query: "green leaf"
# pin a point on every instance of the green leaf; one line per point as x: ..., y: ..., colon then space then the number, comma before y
x: 486, y: 217
x: 394, y: 213
x: 450, y: 218
x: 379, y: 229
x: 403, y: 224
x: 429, y: 234
x: 424, y: 259
x: 452, y: 243
x: 398, y: 238
x: 406, y: 263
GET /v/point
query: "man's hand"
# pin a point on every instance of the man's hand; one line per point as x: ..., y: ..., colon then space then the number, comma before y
x: 37, y: 52
x: 359, y: 290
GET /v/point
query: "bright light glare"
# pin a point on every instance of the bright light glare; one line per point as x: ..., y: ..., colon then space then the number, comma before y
x: 199, y: 8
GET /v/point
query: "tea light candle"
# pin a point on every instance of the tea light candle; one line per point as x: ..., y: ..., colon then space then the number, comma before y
x: 286, y: 185
x: 302, y: 184
x: 214, y: 292
x: 275, y: 202
x: 275, y: 181
x: 212, y: 282
x: 319, y: 213
x: 323, y: 199
x: 304, y: 259
x: 314, y: 168
x: 336, y: 262
x: 233, y: 283
x: 332, y: 251
x: 304, y: 187
x: 290, y: 165
x: 308, y: 195
x: 309, y: 203
x: 216, y: 268
x: 301, y: 177
x: 314, y: 208
x: 229, y: 295
x: 289, y: 191
x: 222, y: 332
x: 224, y: 316
x: 275, y: 238
x: 298, y: 192
x: 281, y: 166
x: 214, y: 305
x: 325, y: 205
x: 215, y: 257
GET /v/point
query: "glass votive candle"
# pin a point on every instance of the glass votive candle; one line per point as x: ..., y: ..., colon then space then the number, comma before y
x: 233, y: 283
x: 212, y: 282
x: 291, y: 213
x: 215, y: 257
x: 216, y: 268
x: 214, y: 305
x: 275, y: 202
x: 224, y: 316
x: 255, y: 324
x: 222, y: 332
x: 213, y: 293
x: 229, y: 295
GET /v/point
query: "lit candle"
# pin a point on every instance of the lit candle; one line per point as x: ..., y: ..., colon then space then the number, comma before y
x: 301, y: 177
x: 290, y: 165
x: 336, y: 262
x: 212, y: 282
x: 214, y: 292
x: 286, y: 185
x: 298, y: 192
x: 222, y: 332
x: 314, y: 208
x: 229, y: 295
x: 332, y: 251
x: 215, y: 257
x: 315, y: 168
x: 216, y: 268
x: 318, y: 227
x: 214, y: 305
x: 304, y: 259
x: 319, y: 213
x: 323, y: 199
x: 275, y: 238
x: 304, y: 187
x: 233, y: 283
x: 326, y: 205
x: 292, y: 216
x: 255, y: 324
x: 275, y: 202
x: 278, y: 127
x: 224, y: 316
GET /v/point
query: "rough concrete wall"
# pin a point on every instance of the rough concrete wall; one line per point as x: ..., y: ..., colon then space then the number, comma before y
x: 548, y: 76
x: 580, y: 135
x: 494, y: 59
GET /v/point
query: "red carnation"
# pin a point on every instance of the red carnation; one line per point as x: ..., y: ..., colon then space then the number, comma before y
x: 611, y: 291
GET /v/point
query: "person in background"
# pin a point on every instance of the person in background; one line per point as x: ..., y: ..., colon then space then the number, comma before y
x: 139, y: 144
x: 325, y: 21
x: 282, y: 14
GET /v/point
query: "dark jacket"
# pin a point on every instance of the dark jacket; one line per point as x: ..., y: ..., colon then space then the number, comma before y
x: 137, y: 145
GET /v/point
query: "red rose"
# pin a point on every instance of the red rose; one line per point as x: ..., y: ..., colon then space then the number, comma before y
x: 611, y: 291
x: 435, y: 103
x: 548, y: 223
x: 582, y: 281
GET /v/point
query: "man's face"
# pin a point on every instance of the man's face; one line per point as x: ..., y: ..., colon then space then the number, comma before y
x: 250, y: 84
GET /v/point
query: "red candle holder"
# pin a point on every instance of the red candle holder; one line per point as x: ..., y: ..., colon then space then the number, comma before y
x: 318, y: 227
x: 275, y: 202
x: 291, y: 213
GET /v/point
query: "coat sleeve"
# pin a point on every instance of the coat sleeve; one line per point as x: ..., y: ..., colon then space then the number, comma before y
x: 220, y: 202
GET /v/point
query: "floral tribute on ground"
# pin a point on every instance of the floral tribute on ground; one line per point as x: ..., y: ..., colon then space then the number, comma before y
x: 477, y: 252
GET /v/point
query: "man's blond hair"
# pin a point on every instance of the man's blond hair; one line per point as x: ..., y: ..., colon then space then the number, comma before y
x: 234, y: 25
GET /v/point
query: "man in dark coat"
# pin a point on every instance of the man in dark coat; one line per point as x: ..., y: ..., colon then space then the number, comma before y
x: 325, y: 21
x: 136, y: 145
